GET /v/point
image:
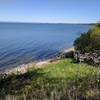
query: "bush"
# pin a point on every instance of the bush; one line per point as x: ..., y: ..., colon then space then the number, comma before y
x: 90, y: 41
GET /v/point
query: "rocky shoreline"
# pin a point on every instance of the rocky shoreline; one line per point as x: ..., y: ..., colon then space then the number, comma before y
x: 24, y: 67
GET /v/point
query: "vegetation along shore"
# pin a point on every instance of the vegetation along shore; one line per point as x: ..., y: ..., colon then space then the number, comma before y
x: 57, y: 79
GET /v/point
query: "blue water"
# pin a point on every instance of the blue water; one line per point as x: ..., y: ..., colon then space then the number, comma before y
x: 25, y: 42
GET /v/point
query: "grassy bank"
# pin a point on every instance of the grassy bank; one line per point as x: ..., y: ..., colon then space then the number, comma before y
x: 59, y: 80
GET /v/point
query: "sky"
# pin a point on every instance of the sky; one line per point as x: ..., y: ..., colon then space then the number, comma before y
x: 50, y: 11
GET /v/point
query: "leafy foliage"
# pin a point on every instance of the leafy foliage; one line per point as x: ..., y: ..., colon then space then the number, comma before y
x: 89, y: 41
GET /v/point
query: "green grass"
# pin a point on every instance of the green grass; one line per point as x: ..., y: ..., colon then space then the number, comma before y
x: 60, y: 80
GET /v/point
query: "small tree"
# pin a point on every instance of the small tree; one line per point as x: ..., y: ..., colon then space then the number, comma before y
x: 89, y: 41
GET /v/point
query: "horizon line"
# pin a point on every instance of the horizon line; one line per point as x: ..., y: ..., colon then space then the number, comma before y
x: 49, y: 22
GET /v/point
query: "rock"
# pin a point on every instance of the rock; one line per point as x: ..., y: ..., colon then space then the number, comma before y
x: 76, y: 56
x: 69, y: 54
x: 92, y: 57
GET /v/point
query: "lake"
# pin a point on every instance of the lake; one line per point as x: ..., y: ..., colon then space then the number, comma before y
x: 26, y: 42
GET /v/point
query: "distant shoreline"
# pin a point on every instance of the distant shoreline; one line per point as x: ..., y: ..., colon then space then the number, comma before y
x: 46, y: 23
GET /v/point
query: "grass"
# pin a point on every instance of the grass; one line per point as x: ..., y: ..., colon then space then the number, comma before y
x: 60, y: 80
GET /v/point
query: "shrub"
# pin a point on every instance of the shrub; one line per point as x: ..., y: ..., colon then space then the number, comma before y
x: 89, y: 41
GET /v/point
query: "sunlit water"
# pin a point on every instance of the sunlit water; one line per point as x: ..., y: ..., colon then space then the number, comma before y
x: 23, y: 43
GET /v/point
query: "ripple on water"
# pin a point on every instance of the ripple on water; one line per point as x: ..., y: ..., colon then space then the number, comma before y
x: 23, y: 43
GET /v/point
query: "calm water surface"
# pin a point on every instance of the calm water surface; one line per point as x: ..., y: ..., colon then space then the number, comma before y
x: 22, y: 43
